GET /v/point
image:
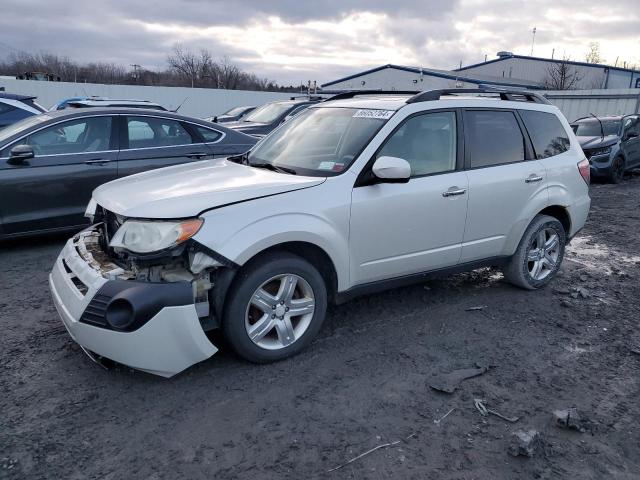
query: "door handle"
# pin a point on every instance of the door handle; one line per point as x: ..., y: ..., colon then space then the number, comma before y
x: 453, y: 191
x: 197, y: 155
x: 97, y: 161
x: 533, y: 178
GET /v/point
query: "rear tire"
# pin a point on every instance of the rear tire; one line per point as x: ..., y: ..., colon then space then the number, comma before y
x: 539, y: 254
x: 616, y: 172
x: 275, y: 307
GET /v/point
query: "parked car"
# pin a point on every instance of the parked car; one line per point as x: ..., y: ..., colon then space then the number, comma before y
x: 354, y: 195
x: 14, y: 108
x: 50, y: 163
x: 611, y: 144
x: 233, y: 115
x: 92, y: 102
x: 263, y: 120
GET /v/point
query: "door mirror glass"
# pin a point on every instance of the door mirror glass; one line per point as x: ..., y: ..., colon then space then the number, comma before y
x: 20, y: 153
x: 392, y: 169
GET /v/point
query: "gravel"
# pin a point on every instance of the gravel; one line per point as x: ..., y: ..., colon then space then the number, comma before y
x: 361, y: 384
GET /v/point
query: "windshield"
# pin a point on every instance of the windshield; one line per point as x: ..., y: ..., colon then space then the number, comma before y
x: 234, y: 111
x: 320, y: 141
x: 591, y: 128
x: 17, y: 127
x: 267, y: 113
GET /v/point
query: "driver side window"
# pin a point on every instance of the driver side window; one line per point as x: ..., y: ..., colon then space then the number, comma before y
x: 83, y: 135
x: 427, y: 142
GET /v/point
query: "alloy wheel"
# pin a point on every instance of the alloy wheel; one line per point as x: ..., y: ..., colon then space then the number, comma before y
x: 542, y: 258
x: 279, y: 311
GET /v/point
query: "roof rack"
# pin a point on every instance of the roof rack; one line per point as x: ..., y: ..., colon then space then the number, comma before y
x: 505, y: 94
x: 353, y: 93
x: 308, y: 97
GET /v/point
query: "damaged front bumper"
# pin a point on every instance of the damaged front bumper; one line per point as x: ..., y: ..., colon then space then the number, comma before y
x: 152, y: 327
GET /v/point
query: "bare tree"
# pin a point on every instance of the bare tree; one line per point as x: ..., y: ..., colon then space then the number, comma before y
x: 593, y: 54
x: 562, y: 75
x: 189, y: 64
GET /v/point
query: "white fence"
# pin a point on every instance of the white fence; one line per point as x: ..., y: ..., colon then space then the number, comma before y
x: 580, y: 103
x: 198, y: 102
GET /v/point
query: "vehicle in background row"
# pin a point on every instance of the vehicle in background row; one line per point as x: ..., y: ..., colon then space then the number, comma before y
x: 353, y: 195
x: 611, y: 143
x: 14, y: 108
x: 50, y: 163
x: 263, y: 120
x: 109, y: 102
x: 233, y: 115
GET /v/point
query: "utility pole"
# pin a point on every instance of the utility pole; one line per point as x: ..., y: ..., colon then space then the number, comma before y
x: 135, y: 71
x: 533, y: 41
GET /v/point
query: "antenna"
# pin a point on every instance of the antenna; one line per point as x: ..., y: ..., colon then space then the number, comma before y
x: 176, y: 110
x: 553, y: 52
x: 533, y: 40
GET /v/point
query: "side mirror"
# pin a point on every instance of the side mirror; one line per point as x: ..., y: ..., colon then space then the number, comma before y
x: 20, y: 153
x: 392, y: 169
x: 215, y: 119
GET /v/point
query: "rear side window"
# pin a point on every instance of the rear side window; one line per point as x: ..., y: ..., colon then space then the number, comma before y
x: 208, y: 135
x: 547, y: 134
x: 151, y: 132
x: 4, y: 108
x: 493, y: 138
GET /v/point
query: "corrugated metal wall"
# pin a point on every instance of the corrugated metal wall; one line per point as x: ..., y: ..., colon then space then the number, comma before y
x: 200, y: 102
x: 575, y: 104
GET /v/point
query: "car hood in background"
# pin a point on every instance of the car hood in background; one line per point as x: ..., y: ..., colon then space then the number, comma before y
x: 246, y: 127
x: 187, y: 190
x: 597, y: 142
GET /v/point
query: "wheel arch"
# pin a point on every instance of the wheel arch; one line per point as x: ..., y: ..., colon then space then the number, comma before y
x: 561, y: 214
x: 312, y: 253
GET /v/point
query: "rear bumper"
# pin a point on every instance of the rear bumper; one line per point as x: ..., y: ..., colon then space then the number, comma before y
x: 168, y: 342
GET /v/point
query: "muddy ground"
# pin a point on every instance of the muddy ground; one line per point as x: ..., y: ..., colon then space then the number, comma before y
x: 361, y: 384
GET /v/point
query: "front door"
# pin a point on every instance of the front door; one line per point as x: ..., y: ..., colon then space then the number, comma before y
x: 400, y: 229
x: 52, y: 189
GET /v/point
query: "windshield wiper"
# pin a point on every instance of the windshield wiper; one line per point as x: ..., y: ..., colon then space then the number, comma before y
x: 242, y: 159
x: 275, y: 168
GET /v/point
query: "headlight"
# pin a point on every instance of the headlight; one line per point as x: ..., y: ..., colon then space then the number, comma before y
x: 600, y: 151
x: 142, y: 236
x: 90, y: 212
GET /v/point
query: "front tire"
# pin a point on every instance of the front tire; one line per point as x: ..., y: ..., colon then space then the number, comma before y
x: 539, y: 254
x: 616, y: 173
x: 275, y: 307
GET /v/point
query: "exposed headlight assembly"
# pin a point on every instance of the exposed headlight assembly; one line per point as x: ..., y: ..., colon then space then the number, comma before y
x: 145, y: 236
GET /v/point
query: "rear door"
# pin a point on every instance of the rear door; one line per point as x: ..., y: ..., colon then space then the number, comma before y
x: 52, y: 189
x: 151, y: 142
x: 503, y: 179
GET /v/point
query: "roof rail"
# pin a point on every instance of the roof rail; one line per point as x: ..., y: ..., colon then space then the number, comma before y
x: 354, y: 93
x: 505, y: 94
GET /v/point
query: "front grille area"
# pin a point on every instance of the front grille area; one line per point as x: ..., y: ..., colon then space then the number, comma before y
x: 95, y: 312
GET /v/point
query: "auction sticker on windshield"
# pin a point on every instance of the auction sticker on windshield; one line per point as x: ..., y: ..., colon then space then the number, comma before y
x: 370, y: 113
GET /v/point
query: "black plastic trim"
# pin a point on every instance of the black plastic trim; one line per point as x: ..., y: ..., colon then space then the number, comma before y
x: 396, y: 282
x: 143, y: 300
x: 195, y: 246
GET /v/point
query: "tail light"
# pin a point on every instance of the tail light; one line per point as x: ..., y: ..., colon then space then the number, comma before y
x: 585, y: 170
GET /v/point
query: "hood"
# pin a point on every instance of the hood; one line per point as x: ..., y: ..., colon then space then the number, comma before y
x: 597, y: 141
x: 187, y: 190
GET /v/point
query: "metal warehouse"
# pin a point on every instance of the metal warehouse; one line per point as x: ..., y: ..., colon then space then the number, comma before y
x: 507, y: 70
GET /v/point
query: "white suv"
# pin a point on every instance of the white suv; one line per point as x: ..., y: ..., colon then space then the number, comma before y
x: 360, y: 193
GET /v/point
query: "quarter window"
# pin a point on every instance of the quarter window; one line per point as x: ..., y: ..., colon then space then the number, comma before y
x: 207, y: 134
x: 148, y: 132
x: 427, y: 142
x: 77, y: 136
x: 547, y: 134
x: 493, y: 138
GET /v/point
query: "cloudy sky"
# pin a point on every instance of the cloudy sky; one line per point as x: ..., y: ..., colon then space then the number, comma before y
x: 295, y: 40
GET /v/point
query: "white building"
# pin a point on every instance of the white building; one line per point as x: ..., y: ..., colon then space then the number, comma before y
x: 538, y: 70
x: 398, y: 77
x: 508, y: 70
